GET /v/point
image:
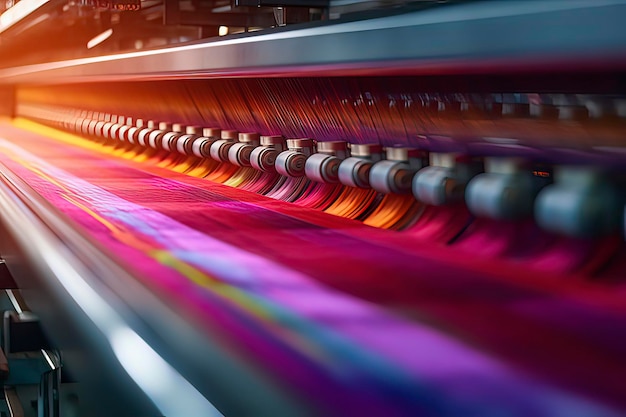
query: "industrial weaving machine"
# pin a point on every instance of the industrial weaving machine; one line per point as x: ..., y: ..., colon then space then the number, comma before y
x: 313, y: 208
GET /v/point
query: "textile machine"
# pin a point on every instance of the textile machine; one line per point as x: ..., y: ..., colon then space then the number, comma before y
x: 313, y: 208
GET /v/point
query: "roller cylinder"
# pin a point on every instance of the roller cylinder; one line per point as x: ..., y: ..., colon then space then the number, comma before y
x: 132, y: 133
x: 155, y: 137
x: 211, y: 132
x: 184, y: 144
x: 84, y: 126
x: 355, y: 172
x: 322, y: 168
x: 113, y: 132
x: 219, y: 149
x: 579, y: 204
x: 91, y: 127
x: 142, y: 136
x: 122, y: 133
x: 263, y: 158
x: 291, y: 163
x: 239, y: 154
x: 501, y: 196
x: 106, y: 130
x: 78, y: 122
x: 392, y: 177
x: 201, y: 147
x: 168, y: 141
x: 98, y: 128
x: 436, y: 185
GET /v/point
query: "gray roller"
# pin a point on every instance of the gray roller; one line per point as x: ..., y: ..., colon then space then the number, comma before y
x: 263, y: 157
x: 395, y: 174
x: 391, y: 177
x: 324, y: 165
x: 322, y: 168
x: 184, y: 143
x: 292, y: 162
x: 239, y: 153
x: 201, y: 147
x: 580, y: 203
x: 435, y: 185
x: 219, y: 149
x: 445, y: 180
x: 501, y: 196
x: 155, y: 137
x: 355, y: 171
x: 168, y: 141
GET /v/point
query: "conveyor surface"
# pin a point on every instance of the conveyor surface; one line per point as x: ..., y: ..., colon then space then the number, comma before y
x: 299, y: 295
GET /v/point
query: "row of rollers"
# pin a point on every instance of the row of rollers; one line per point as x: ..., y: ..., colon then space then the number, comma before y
x: 579, y: 202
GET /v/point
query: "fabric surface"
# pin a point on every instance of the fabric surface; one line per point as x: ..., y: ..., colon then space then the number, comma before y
x: 358, y: 320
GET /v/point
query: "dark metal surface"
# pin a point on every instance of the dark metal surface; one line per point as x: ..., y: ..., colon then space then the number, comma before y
x: 464, y: 38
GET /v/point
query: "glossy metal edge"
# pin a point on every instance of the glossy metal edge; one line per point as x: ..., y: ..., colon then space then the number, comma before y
x: 474, y: 37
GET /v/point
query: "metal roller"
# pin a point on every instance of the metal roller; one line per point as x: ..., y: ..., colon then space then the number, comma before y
x: 184, y: 142
x: 106, y: 129
x: 323, y: 166
x: 201, y: 147
x: 395, y: 174
x: 122, y: 133
x: 84, y: 126
x: 219, y: 148
x: 168, y: 140
x: 133, y: 132
x: 115, y: 127
x: 91, y: 127
x: 100, y: 125
x: 86, y: 119
x: 79, y: 122
x: 263, y: 157
x: 355, y: 171
x: 239, y: 153
x: 435, y: 185
x: 505, y: 191
x: 156, y: 136
x: 292, y: 162
x: 444, y: 181
x: 580, y: 203
x: 143, y: 135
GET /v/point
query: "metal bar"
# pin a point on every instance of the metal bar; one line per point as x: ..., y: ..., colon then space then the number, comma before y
x: 482, y: 37
x: 17, y: 301
x: 13, y: 402
x: 49, y: 385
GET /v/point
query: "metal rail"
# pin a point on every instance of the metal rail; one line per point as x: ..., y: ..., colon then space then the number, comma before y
x: 486, y: 36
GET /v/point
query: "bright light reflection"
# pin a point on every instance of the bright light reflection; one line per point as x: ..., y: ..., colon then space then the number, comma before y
x: 98, y: 39
x: 19, y: 11
x: 157, y: 378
